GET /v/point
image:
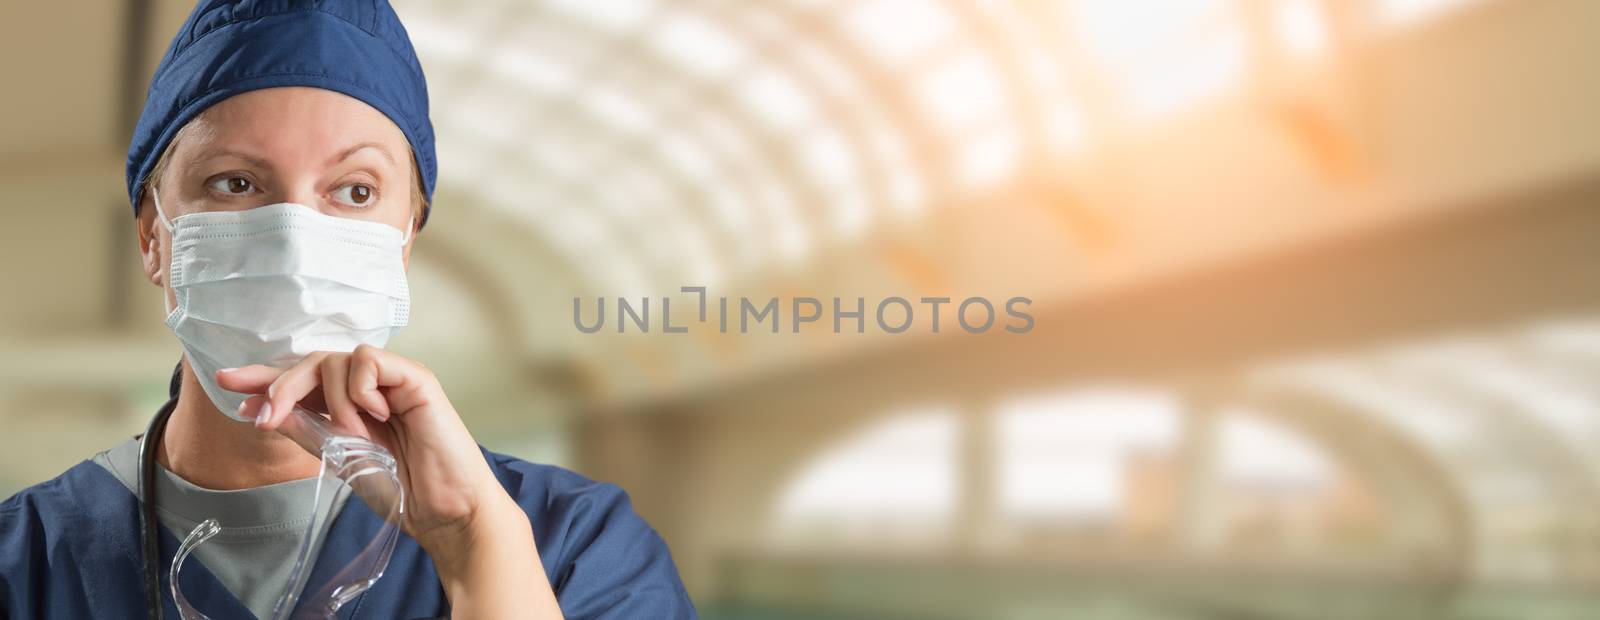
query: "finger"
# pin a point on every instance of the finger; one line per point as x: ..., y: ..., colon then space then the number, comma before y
x: 294, y: 384
x: 336, y: 391
x: 394, y: 382
x: 291, y: 427
x: 368, y: 371
x: 252, y: 379
x: 251, y: 407
x: 294, y: 427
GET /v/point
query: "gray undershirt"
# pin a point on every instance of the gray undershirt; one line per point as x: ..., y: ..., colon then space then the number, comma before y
x: 255, y: 550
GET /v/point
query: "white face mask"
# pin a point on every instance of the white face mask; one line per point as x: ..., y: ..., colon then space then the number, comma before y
x: 273, y: 284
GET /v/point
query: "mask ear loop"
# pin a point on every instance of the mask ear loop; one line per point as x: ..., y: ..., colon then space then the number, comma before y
x: 156, y: 198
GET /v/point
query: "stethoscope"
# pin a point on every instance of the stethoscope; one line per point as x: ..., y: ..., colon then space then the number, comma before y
x: 149, y: 526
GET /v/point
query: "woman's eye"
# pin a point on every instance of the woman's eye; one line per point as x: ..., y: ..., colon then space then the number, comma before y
x: 234, y: 185
x: 355, y: 194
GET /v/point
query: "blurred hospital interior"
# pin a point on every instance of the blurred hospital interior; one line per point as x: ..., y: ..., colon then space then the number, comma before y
x: 1315, y: 289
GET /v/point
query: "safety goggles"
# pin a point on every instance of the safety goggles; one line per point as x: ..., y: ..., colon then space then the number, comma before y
x: 370, y: 472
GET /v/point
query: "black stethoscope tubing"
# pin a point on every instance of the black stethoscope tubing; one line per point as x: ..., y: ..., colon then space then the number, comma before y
x: 149, y: 526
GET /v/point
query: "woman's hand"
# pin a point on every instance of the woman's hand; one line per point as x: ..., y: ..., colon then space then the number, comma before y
x: 480, y: 540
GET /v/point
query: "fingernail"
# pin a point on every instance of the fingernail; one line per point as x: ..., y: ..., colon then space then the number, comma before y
x: 264, y: 414
x: 245, y: 412
x: 227, y: 370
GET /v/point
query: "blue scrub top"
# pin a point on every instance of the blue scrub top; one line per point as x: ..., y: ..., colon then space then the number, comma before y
x: 69, y: 548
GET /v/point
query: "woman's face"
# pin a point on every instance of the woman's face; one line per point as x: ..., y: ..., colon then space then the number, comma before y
x: 308, y: 146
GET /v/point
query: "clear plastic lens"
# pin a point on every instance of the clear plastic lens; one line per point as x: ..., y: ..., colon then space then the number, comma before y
x: 371, y: 473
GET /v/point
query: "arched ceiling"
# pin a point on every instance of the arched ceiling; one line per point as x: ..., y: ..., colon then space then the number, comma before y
x: 655, y: 144
x: 633, y: 147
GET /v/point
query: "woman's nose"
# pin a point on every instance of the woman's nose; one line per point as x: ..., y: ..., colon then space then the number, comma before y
x: 303, y: 196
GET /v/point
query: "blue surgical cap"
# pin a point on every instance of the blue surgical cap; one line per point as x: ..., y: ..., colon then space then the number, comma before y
x: 228, y: 47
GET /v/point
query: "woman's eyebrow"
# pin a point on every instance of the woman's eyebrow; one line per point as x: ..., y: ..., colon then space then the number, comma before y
x: 367, y: 145
x: 255, y: 162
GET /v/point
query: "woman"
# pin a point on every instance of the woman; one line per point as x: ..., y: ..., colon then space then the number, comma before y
x: 279, y: 174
